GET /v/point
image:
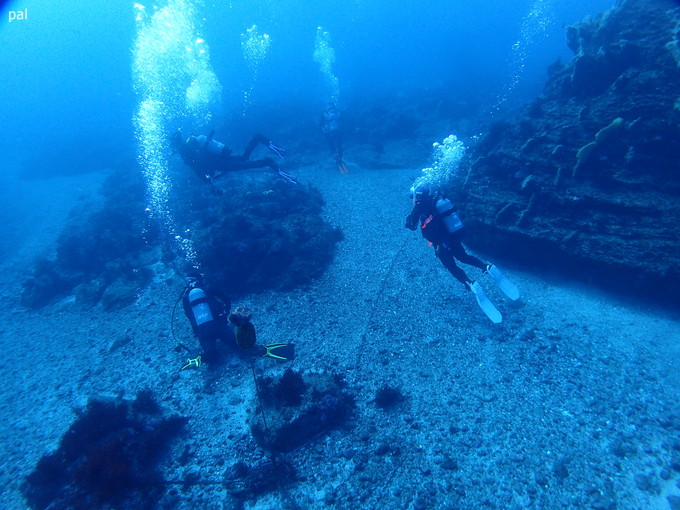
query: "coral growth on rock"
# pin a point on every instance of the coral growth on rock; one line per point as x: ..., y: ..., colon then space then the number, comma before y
x: 107, y: 458
x: 101, y: 256
x: 388, y: 397
x: 250, y: 481
x: 587, y: 175
x: 265, y: 233
x: 298, y: 410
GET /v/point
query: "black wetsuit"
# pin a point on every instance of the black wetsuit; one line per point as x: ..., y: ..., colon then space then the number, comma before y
x: 447, y: 245
x: 217, y: 327
x: 211, y: 159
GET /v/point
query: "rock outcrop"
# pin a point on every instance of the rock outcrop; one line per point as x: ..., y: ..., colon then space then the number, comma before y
x: 587, y: 178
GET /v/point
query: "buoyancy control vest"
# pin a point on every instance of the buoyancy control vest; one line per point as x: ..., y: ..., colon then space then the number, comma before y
x: 200, y: 308
x: 447, y: 212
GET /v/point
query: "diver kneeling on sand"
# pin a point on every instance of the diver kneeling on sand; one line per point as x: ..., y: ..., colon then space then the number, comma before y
x: 442, y: 227
x: 207, y: 309
x: 211, y: 159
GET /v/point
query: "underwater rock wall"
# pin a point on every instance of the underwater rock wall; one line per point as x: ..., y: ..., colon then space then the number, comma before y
x: 101, y: 256
x: 264, y: 233
x: 587, y: 174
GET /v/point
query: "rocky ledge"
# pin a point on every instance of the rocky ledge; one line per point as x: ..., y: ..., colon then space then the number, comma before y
x: 587, y: 177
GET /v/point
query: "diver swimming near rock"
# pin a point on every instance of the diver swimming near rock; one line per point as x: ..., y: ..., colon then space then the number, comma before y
x: 442, y: 227
x: 211, y: 159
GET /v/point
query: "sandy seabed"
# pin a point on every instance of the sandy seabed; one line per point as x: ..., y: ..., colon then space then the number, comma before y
x: 571, y: 402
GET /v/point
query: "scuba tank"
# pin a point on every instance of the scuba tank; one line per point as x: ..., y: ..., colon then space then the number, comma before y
x: 199, y: 306
x: 447, y: 213
x: 209, y: 144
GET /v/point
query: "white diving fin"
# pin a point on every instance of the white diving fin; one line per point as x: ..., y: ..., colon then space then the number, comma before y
x: 487, y: 306
x: 508, y: 288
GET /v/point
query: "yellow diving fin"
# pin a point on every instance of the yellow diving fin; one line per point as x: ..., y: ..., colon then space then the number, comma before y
x: 283, y: 352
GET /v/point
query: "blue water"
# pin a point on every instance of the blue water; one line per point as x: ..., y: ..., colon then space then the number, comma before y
x: 67, y: 67
x: 82, y: 93
x: 69, y: 72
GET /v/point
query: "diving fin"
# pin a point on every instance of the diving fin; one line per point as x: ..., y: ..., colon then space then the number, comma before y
x: 342, y: 168
x: 283, y: 352
x: 287, y: 176
x: 487, y: 306
x: 508, y: 288
x: 279, y: 151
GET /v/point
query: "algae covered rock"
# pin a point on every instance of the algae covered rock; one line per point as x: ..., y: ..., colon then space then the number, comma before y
x: 107, y: 459
x: 299, y: 408
x: 600, y: 148
x: 265, y: 233
x: 102, y: 251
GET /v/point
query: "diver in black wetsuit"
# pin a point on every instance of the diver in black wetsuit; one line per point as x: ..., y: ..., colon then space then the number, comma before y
x: 443, y: 229
x: 211, y: 159
x: 207, y: 309
x: 331, y: 127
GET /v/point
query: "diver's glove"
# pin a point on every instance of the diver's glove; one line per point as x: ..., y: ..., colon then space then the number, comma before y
x: 411, y: 222
x: 279, y: 151
x: 287, y: 176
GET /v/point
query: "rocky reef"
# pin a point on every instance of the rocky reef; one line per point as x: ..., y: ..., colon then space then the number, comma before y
x: 101, y: 255
x: 586, y: 177
x: 265, y: 233
x: 107, y: 459
x: 300, y: 409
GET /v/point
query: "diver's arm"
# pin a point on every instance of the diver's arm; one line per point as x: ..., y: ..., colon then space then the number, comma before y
x: 413, y: 217
x: 411, y: 221
x: 221, y: 298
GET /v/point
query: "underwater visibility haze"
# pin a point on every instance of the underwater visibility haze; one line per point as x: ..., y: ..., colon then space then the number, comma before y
x: 348, y: 254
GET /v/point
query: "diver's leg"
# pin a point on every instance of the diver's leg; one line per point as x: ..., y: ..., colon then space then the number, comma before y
x: 459, y: 252
x: 258, y: 163
x: 254, y: 141
x: 209, y: 347
x: 337, y: 137
x: 446, y: 258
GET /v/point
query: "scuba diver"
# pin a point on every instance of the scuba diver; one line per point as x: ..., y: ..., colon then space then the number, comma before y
x: 208, y: 311
x: 211, y: 159
x: 442, y: 227
x: 331, y: 126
